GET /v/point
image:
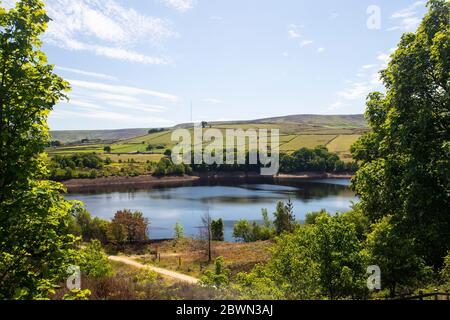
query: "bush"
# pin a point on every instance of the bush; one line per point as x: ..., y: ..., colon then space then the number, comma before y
x: 217, y: 233
x: 219, y: 277
x: 94, y: 262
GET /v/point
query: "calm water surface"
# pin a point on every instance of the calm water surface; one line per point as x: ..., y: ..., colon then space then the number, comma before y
x: 187, y: 204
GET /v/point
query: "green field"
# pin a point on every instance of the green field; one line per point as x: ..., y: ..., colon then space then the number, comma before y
x: 338, y: 133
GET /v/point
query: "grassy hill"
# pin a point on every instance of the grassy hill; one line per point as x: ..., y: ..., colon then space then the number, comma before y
x: 338, y: 133
x: 67, y: 136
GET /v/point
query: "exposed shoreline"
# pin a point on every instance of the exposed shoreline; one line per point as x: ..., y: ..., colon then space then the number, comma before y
x: 75, y: 185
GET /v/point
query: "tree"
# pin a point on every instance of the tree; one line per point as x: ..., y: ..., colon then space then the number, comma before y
x: 107, y: 149
x: 395, y: 255
x: 35, y: 244
x: 312, y: 217
x: 243, y: 231
x: 445, y: 271
x: 206, y: 235
x: 93, y: 261
x: 178, y: 230
x: 217, y: 230
x: 314, y: 261
x: 135, y: 224
x: 338, y: 253
x: 168, y: 153
x: 404, y: 160
x: 284, y: 217
x: 117, y: 233
x: 219, y: 277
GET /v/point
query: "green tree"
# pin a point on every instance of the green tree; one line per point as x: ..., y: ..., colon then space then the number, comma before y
x: 35, y: 244
x: 219, y: 277
x: 395, y: 255
x: 284, y: 217
x: 243, y: 231
x: 404, y: 160
x: 445, y: 271
x: 314, y: 261
x: 178, y: 230
x: 217, y: 232
x: 117, y: 233
x: 107, y: 149
x: 94, y: 262
x: 312, y: 217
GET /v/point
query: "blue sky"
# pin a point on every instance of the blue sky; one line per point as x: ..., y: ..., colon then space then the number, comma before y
x: 139, y: 63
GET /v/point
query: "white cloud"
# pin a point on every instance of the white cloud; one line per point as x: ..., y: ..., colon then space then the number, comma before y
x: 367, y: 66
x: 306, y: 43
x: 123, y: 90
x: 88, y: 73
x: 384, y: 58
x: 355, y: 91
x: 293, y: 31
x: 335, y: 15
x: 407, y: 17
x: 180, y: 5
x: 320, y: 50
x: 105, y: 28
x: 214, y: 101
x: 375, y: 79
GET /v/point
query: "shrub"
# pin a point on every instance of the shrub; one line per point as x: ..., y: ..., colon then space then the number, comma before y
x: 94, y: 262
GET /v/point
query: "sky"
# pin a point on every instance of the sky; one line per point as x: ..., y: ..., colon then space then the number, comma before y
x: 144, y: 63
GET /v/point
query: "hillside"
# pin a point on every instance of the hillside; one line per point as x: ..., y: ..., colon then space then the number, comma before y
x: 67, y: 136
x: 338, y: 133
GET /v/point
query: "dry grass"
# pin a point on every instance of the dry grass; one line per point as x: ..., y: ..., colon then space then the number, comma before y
x: 238, y: 256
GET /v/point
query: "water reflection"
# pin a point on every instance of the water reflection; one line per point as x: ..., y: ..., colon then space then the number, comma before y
x: 227, y: 201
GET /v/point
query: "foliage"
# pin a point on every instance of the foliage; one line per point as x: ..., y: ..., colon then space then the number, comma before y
x: 323, y: 259
x: 404, y: 160
x: 35, y: 244
x: 445, y: 271
x: 89, y: 228
x: 219, y: 277
x: 128, y: 226
x: 317, y: 159
x: 245, y: 231
x: 93, y: 261
x: 178, y: 230
x: 77, y: 160
x: 77, y: 294
x: 395, y: 255
x: 311, y: 217
x: 166, y: 167
x: 257, y: 285
x: 284, y: 217
x: 217, y: 228
x: 117, y: 233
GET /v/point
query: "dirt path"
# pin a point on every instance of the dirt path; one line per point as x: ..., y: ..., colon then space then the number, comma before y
x: 168, y: 273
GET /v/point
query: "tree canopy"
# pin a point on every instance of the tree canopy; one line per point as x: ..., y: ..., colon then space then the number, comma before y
x: 35, y: 243
x: 404, y: 160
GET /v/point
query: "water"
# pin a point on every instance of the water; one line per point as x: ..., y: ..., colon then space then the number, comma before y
x: 187, y: 204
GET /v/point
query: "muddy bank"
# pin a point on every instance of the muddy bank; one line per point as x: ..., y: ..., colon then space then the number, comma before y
x: 80, y: 185
x: 314, y: 175
x: 77, y: 185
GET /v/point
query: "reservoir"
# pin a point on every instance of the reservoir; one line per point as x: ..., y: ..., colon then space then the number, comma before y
x: 229, y: 201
